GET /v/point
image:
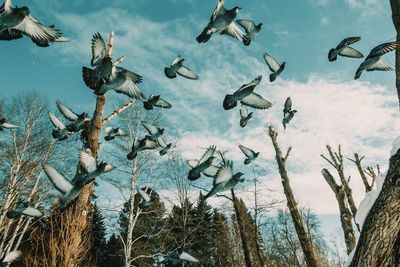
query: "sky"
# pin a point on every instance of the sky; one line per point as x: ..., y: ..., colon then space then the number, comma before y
x: 334, y: 109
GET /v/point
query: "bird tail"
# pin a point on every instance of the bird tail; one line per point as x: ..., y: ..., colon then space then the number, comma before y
x: 358, y: 73
x: 12, y: 214
x: 192, y: 175
x: 132, y: 155
x: 109, y: 138
x: 246, y: 40
x: 169, y: 73
x: 229, y: 102
x: 247, y: 161
x: 147, y: 105
x: 87, y: 75
x: 243, y: 123
x: 272, y: 77
x: 332, y: 55
x: 204, y: 36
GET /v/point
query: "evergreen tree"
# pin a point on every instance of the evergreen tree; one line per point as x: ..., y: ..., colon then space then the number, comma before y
x: 223, y: 243
x: 98, y: 249
x: 115, y: 255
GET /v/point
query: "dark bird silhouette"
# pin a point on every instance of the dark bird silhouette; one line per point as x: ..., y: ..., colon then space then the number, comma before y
x: 345, y: 50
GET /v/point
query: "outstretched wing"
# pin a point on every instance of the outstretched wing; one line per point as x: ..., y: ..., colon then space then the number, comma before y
x: 32, y: 212
x: 187, y: 73
x: 151, y: 128
x: 247, y: 25
x: 273, y: 65
x: 12, y: 256
x: 87, y: 161
x: 55, y: 121
x: 224, y: 173
x: 256, y: 101
x: 98, y: 49
x: 244, y: 112
x: 143, y: 194
x: 246, y: 151
x: 384, y: 48
x: 348, y: 41
x: 380, y: 65
x: 209, y: 153
x: 161, y: 103
x: 234, y: 31
x: 59, y: 181
x: 66, y: 111
x: 187, y: 257
x: 351, y: 52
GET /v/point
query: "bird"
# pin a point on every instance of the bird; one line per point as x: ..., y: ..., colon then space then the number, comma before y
x: 17, y: 21
x: 273, y: 66
x: 225, y: 179
x: 373, y: 60
x: 245, y: 116
x: 91, y: 166
x: 250, y: 28
x: 5, y: 125
x: 344, y: 49
x: 176, y: 257
x: 177, y: 67
x: 211, y: 171
x: 154, y: 132
x: 156, y: 101
x: 288, y: 113
x: 249, y: 153
x: 147, y: 200
x: 164, y: 147
x: 247, y: 97
x: 60, y: 132
x: 23, y: 208
x: 140, y: 145
x: 204, y: 163
x: 222, y: 21
x: 10, y: 258
x: 113, y: 132
x: 70, y: 190
x: 78, y: 121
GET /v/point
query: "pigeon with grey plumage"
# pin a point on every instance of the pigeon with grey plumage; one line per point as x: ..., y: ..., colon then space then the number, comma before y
x: 113, y: 132
x: 177, y: 67
x: 156, y: 101
x: 245, y: 115
x: 23, y: 208
x: 143, y: 144
x: 70, y: 190
x: 154, y: 132
x: 78, y: 121
x: 273, y: 66
x: 176, y: 257
x: 288, y: 113
x: 345, y: 50
x: 250, y: 28
x: 60, y: 132
x: 17, y: 21
x: 91, y: 166
x: 221, y: 21
x: 197, y: 167
x: 147, y: 200
x: 249, y: 153
x: 247, y: 97
x: 10, y: 258
x: 5, y: 125
x: 211, y: 171
x: 373, y: 61
x: 225, y: 179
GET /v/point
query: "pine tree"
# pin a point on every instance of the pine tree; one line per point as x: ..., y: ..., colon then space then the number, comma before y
x: 114, y: 255
x: 99, y: 244
x: 223, y: 243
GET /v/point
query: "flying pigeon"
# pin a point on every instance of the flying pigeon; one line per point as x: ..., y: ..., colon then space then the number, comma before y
x: 250, y: 28
x: 113, y: 132
x: 164, y: 147
x: 154, y: 132
x: 147, y: 200
x: 222, y: 21
x: 288, y: 113
x: 177, y: 67
x: 69, y: 190
x: 209, y: 172
x: 91, y: 166
x: 17, y: 21
x: 225, y: 179
x: 247, y: 97
x: 249, y: 153
x: 273, y: 66
x: 78, y: 122
x: 23, y: 208
x: 10, y: 258
x: 245, y: 116
x: 140, y: 145
x: 155, y: 101
x: 373, y: 60
x: 176, y: 257
x: 6, y: 125
x: 60, y: 132
x: 197, y: 167
x: 343, y: 49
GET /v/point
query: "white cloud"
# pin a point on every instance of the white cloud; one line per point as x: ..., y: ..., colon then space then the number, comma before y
x: 367, y: 7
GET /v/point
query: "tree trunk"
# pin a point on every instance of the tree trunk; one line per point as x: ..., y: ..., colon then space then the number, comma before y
x: 379, y: 242
x: 302, y: 234
x: 395, y: 5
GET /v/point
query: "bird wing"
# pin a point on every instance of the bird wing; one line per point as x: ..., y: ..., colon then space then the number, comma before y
x: 150, y: 144
x: 39, y: 33
x: 127, y: 87
x: 143, y: 194
x: 108, y: 129
x: 244, y: 112
x: 383, y: 49
x: 348, y: 41
x: 122, y: 132
x: 351, y: 52
x: 248, y: 25
x: 247, y: 151
x: 288, y: 104
x: 161, y: 103
x: 12, y: 256
x: 234, y: 31
x: 136, y: 78
x: 98, y: 49
x: 32, y: 212
x: 209, y: 153
x: 187, y: 73
x: 225, y: 173
x: 380, y: 65
x: 88, y: 161
x: 256, y: 101
x: 211, y: 171
x: 192, y: 162
x: 55, y: 121
x: 108, y: 168
x: 273, y: 65
x: 161, y: 142
x: 66, y: 111
x: 187, y: 257
x: 57, y: 179
x: 9, y: 125
x: 253, y: 84
x: 6, y: 6
x: 219, y: 8
x: 176, y: 60
x: 149, y: 127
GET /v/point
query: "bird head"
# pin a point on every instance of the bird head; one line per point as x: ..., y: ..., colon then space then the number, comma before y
x: 259, y: 25
x: 283, y: 65
x: 24, y: 10
x: 236, y: 8
x: 332, y: 55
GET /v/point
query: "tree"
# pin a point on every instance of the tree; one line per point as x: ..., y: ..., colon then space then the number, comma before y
x: 223, y: 243
x: 395, y: 6
x: 99, y: 245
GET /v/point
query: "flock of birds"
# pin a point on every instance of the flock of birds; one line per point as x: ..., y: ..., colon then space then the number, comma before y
x: 105, y: 76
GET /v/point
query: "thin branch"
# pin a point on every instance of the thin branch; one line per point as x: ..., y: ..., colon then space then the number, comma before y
x: 117, y: 112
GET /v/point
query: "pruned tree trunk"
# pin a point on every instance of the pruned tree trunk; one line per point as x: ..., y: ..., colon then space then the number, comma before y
x: 304, y: 238
x: 357, y: 161
x: 395, y: 6
x: 379, y: 242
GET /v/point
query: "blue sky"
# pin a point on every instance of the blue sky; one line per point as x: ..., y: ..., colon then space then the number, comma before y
x: 333, y: 108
